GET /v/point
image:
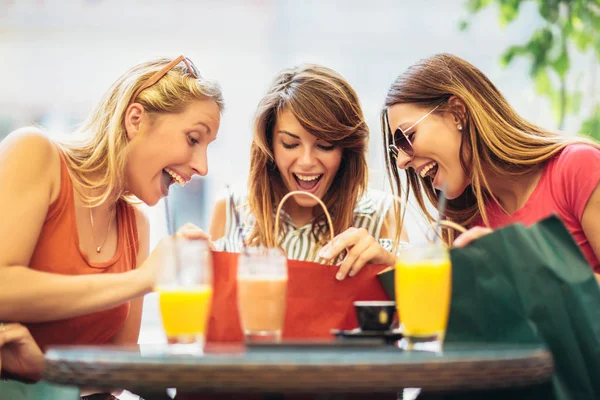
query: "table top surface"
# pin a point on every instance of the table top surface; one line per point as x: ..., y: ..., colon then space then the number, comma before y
x: 301, y: 367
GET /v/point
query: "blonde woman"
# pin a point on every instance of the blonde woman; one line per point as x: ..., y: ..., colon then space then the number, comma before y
x: 74, y: 259
x: 309, y: 135
x: 447, y: 126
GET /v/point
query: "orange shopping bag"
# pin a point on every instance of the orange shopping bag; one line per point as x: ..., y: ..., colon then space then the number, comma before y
x: 316, y: 301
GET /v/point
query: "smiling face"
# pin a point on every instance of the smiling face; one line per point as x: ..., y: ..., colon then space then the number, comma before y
x: 436, y: 142
x: 168, y: 148
x: 305, y: 162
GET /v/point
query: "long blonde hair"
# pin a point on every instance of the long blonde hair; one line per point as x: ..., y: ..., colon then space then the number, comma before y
x: 97, y: 155
x: 494, y: 136
x: 327, y: 107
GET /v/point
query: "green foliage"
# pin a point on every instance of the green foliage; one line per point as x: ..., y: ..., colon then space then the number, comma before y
x: 591, y: 127
x: 568, y: 25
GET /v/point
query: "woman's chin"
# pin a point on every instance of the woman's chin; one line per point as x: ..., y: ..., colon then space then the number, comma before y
x: 305, y: 202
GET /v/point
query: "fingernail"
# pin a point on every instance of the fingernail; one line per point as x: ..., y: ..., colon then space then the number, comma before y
x: 352, y: 273
x: 339, y: 276
x: 325, y: 252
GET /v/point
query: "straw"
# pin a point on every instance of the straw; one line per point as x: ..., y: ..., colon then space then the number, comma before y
x: 171, y: 231
x: 236, y: 215
x: 412, y: 209
x: 442, y: 201
x: 170, y: 222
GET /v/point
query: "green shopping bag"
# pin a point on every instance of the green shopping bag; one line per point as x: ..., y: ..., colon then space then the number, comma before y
x: 527, y: 285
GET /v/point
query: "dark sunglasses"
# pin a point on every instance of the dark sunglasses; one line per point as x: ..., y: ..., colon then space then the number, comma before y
x: 401, y: 142
x: 163, y: 71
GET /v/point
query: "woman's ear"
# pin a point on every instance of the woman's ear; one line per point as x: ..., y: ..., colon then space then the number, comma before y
x: 458, y: 108
x: 133, y: 119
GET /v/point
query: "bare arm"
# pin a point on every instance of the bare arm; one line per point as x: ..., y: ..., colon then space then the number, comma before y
x: 218, y: 220
x: 30, y: 183
x: 388, y: 228
x: 589, y: 222
x: 130, y: 332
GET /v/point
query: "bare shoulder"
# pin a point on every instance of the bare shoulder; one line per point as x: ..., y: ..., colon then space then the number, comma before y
x: 218, y: 220
x: 30, y: 152
x: 30, y: 140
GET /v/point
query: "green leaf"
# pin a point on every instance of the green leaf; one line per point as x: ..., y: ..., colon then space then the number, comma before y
x: 538, y: 48
x: 543, y: 85
x: 591, y: 126
x: 582, y: 39
x: 574, y: 102
x: 474, y: 6
x: 463, y: 25
x: 549, y: 10
x: 562, y: 64
x: 556, y: 103
x: 509, y: 54
x: 508, y: 12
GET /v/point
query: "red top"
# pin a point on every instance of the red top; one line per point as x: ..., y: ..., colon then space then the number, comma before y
x: 567, y: 183
x: 57, y: 251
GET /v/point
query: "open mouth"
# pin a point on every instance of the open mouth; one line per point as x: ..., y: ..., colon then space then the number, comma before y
x: 429, y: 170
x: 308, y: 183
x: 169, y: 177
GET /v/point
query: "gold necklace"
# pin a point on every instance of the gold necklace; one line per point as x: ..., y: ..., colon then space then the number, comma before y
x: 99, y: 248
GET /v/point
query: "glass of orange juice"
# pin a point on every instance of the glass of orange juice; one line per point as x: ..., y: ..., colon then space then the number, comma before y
x: 262, y: 279
x: 185, y: 293
x: 423, y: 280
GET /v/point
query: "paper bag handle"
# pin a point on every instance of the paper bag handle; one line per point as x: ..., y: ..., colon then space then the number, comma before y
x: 287, y: 196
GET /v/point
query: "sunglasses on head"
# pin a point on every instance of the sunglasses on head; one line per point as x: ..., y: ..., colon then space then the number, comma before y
x: 400, y: 140
x: 164, y: 70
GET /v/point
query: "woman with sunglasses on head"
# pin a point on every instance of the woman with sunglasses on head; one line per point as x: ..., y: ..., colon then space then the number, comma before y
x: 309, y: 135
x: 74, y: 249
x: 448, y: 127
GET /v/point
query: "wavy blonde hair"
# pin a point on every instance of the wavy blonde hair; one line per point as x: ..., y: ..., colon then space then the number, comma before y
x: 97, y: 156
x: 325, y: 105
x: 494, y: 136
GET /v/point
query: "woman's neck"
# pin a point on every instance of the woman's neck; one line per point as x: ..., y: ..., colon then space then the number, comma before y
x: 513, y: 192
x: 300, y: 215
x: 107, y: 204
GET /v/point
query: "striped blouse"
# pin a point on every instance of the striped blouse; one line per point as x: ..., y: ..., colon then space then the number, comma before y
x: 300, y: 243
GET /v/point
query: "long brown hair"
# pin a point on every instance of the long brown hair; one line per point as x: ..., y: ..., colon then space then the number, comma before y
x: 494, y: 135
x: 327, y: 107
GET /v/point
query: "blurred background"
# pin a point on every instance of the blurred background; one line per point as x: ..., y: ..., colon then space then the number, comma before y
x: 59, y: 56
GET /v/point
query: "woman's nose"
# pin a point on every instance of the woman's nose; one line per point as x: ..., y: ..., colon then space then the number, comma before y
x: 307, y: 158
x: 402, y: 160
x: 200, y: 163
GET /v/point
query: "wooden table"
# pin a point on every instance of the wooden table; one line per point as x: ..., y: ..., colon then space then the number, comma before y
x: 322, y: 369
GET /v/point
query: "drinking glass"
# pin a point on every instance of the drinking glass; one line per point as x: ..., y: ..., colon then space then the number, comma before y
x: 185, y: 293
x: 423, y: 288
x: 262, y: 278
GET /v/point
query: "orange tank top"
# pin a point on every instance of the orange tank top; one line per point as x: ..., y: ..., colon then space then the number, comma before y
x: 57, y: 251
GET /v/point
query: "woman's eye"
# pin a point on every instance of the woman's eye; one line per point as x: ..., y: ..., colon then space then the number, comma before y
x: 288, y: 145
x: 325, y: 147
x: 411, y: 135
x: 192, y: 140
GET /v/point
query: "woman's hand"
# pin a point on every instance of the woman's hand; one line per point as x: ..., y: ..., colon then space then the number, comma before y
x: 192, y: 232
x: 19, y: 353
x: 151, y: 266
x: 362, y: 249
x: 470, y: 235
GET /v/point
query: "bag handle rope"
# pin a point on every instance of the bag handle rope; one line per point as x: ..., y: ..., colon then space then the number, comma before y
x: 300, y: 192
